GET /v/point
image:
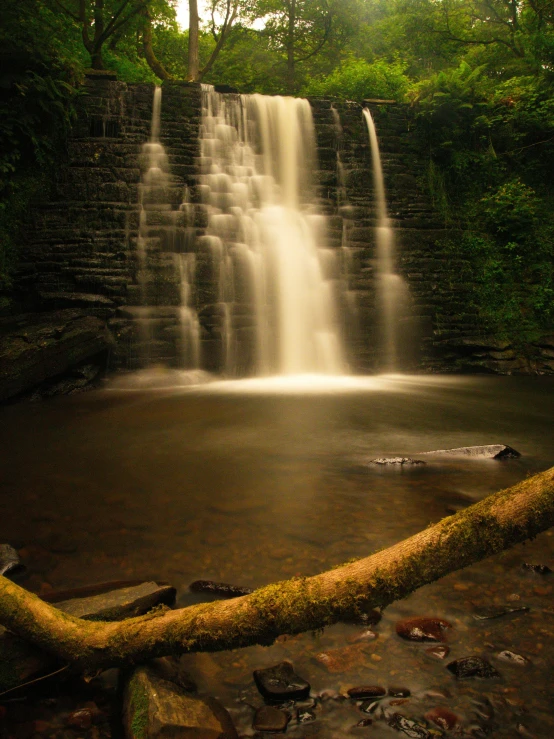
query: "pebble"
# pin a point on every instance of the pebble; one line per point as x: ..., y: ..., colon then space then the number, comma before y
x: 280, y: 683
x: 513, y: 658
x: 422, y: 629
x: 396, y: 692
x: 363, y: 636
x: 304, y: 716
x: 364, y: 722
x: 407, y: 726
x: 441, y: 651
x: 442, y: 717
x: 269, y: 718
x: 468, y: 667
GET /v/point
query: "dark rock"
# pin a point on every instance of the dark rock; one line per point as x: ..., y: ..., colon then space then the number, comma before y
x: 488, y: 451
x: 396, y: 460
x: 366, y: 691
x: 396, y: 692
x: 364, y: 722
x: 38, y: 347
x: 10, y: 564
x: 221, y: 589
x: 537, y: 569
x: 280, y: 683
x: 157, y: 708
x: 305, y: 716
x: 269, y: 718
x: 468, y: 667
x: 440, y: 651
x: 486, y: 614
x: 408, y: 727
x: 422, y: 629
x: 513, y: 658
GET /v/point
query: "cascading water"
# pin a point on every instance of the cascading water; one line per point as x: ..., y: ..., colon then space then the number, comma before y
x: 390, y: 286
x: 265, y: 237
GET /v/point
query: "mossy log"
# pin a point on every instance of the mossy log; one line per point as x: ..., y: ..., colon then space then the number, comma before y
x: 293, y: 606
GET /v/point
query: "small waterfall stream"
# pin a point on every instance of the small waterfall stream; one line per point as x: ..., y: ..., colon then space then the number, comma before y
x: 390, y: 286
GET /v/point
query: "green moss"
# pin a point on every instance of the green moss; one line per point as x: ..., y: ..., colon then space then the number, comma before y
x: 138, y: 708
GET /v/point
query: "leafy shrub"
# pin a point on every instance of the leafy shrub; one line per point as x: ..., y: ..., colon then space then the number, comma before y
x: 358, y: 79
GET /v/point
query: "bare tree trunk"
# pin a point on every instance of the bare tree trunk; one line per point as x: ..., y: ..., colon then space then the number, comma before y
x: 193, y: 61
x: 301, y: 604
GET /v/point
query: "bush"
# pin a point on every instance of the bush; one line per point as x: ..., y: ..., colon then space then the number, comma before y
x: 358, y: 80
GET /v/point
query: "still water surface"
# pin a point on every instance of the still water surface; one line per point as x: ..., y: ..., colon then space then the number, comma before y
x: 252, y: 481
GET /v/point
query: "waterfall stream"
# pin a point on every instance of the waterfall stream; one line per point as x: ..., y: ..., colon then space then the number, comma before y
x: 390, y: 286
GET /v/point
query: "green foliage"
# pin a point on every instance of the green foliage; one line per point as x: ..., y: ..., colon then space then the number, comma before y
x: 359, y: 80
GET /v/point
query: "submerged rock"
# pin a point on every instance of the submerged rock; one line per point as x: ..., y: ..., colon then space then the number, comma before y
x: 468, y: 667
x: 365, y: 692
x: 423, y: 629
x: 408, y: 727
x: 441, y: 651
x: 513, y: 658
x: 221, y: 589
x: 341, y: 659
x: 486, y: 614
x: 487, y: 451
x: 157, y: 708
x: 396, y: 460
x: 10, y: 564
x: 442, y: 717
x: 281, y: 683
x: 396, y: 692
x: 537, y: 569
x: 269, y: 718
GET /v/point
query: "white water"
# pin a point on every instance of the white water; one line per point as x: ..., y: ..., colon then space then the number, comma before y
x: 265, y: 237
x: 390, y: 286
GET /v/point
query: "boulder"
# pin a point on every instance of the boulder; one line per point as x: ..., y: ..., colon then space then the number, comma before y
x: 154, y: 707
x: 36, y: 348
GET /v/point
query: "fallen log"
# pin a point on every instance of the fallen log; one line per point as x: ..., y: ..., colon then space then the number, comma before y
x: 293, y: 606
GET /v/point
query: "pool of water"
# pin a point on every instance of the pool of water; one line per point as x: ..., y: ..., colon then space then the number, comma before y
x: 253, y: 481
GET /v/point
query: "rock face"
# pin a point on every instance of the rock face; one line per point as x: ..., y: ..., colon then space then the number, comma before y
x: 488, y: 451
x: 156, y: 708
x: 46, y: 349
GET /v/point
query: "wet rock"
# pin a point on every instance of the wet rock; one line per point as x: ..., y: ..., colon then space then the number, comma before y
x: 342, y: 659
x: 10, y: 564
x: 157, y: 708
x: 114, y: 602
x: 365, y: 692
x: 468, y: 667
x: 370, y: 706
x: 442, y: 717
x: 396, y: 692
x: 422, y: 629
x: 269, y: 718
x: 172, y: 669
x: 280, y: 683
x: 408, y: 727
x: 487, y: 451
x: 305, y: 716
x: 441, y: 651
x: 537, y: 569
x: 221, y: 589
x: 395, y: 460
x: 486, y: 614
x: 513, y: 658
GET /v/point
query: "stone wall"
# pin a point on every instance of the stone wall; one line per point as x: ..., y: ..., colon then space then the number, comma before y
x: 81, y: 252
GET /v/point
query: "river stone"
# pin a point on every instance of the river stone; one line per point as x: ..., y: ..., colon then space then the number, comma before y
x: 487, y: 451
x: 10, y: 564
x: 396, y: 692
x: 468, y: 667
x: 513, y: 658
x: 442, y: 717
x: 280, y: 683
x: 395, y: 460
x: 269, y: 718
x: 154, y: 708
x: 408, y: 727
x: 422, y: 629
x: 365, y: 692
x: 440, y: 651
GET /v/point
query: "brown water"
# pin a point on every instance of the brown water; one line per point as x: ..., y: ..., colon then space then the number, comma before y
x: 249, y: 482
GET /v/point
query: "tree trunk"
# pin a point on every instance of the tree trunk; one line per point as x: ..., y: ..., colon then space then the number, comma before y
x: 193, y: 61
x: 301, y: 604
x: 151, y: 59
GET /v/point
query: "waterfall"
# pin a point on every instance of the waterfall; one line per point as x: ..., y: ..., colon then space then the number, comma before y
x: 166, y: 270
x: 265, y: 238
x: 390, y: 286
